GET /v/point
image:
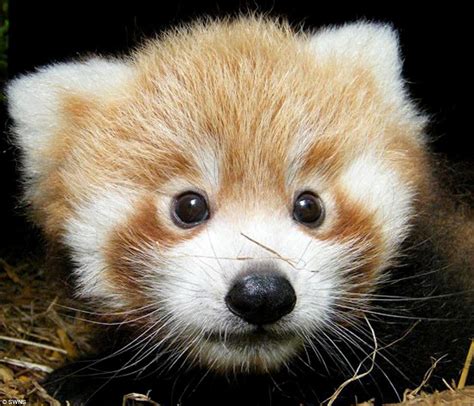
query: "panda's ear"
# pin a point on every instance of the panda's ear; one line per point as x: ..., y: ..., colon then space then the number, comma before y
x: 35, y: 100
x: 372, y: 45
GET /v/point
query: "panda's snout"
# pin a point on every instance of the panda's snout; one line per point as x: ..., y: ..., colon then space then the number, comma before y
x: 261, y: 297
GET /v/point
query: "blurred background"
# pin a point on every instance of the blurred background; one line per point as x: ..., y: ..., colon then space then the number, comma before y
x: 436, y: 45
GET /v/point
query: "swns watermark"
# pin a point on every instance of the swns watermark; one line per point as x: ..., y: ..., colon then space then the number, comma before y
x: 12, y: 402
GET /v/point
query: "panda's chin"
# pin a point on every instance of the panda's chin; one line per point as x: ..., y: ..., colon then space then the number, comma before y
x: 258, y: 336
x: 256, y: 352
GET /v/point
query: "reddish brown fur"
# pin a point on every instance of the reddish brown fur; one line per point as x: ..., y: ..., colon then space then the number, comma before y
x: 245, y: 91
x: 144, y: 229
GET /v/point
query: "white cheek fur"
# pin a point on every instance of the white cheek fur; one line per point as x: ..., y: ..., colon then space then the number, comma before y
x: 202, y: 269
x: 87, y: 232
x: 200, y: 272
x: 193, y: 278
x: 373, y: 184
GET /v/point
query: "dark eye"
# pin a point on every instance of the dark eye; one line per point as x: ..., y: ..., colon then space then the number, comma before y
x: 190, y: 209
x: 308, y: 209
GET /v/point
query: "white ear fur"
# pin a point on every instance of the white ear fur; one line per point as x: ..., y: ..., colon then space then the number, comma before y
x: 373, y: 45
x: 34, y: 101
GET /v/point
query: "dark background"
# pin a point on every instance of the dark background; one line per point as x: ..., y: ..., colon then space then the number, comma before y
x: 436, y: 44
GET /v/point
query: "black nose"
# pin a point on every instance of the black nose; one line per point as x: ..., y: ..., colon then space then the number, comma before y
x: 261, y: 297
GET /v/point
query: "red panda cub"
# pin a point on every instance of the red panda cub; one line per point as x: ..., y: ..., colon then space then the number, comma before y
x: 254, y: 212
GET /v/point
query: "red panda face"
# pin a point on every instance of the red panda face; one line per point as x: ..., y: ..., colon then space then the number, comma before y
x: 237, y: 182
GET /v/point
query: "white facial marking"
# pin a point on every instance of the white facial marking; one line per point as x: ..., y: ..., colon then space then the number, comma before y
x: 303, y: 141
x: 86, y: 235
x: 208, y: 164
x: 199, y: 274
x: 371, y: 182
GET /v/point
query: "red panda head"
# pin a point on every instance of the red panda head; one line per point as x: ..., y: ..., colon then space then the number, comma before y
x: 237, y: 180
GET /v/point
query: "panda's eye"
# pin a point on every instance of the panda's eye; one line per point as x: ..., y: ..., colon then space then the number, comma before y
x: 190, y: 209
x: 308, y: 209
